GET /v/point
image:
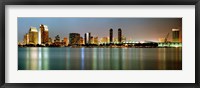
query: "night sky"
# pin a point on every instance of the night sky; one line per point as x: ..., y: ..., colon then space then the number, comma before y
x: 136, y: 29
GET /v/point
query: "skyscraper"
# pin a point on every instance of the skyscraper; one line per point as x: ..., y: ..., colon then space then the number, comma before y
x: 119, y: 35
x: 26, y: 38
x: 74, y: 38
x: 33, y: 36
x: 44, y: 34
x: 123, y: 39
x: 96, y: 40
x: 65, y: 41
x: 111, y: 35
x: 57, y: 39
x: 175, y: 35
x: 50, y: 40
x: 88, y: 38
x: 81, y: 40
x: 104, y: 40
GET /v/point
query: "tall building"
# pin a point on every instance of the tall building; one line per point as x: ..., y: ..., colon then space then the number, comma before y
x: 44, y: 34
x: 57, y: 39
x: 115, y: 40
x: 176, y: 35
x: 66, y: 41
x: 50, y: 40
x: 26, y: 38
x: 33, y: 36
x: 104, y: 40
x: 91, y: 40
x: 111, y: 35
x: 96, y: 40
x: 74, y: 38
x: 81, y: 40
x: 119, y: 35
x: 123, y: 39
x: 88, y: 38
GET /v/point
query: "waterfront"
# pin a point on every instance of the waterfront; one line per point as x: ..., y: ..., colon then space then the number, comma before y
x: 65, y: 58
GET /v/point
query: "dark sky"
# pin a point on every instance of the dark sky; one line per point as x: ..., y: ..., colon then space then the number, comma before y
x: 137, y: 29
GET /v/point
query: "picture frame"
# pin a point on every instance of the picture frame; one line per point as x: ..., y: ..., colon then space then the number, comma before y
x: 98, y: 2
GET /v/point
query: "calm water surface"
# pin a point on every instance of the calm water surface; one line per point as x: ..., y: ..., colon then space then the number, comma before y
x: 47, y: 58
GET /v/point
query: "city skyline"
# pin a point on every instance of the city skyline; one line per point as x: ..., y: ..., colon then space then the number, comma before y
x: 132, y: 28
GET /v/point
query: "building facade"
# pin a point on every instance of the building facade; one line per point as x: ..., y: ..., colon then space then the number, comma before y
x: 44, y: 34
x: 111, y: 35
x: 176, y: 35
x: 26, y: 38
x: 74, y: 38
x: 104, y: 40
x: 66, y: 41
x: 87, y: 38
x: 33, y: 36
x: 119, y: 35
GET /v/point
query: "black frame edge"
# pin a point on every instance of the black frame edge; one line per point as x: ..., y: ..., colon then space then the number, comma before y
x: 2, y: 44
x: 101, y: 2
x: 197, y: 36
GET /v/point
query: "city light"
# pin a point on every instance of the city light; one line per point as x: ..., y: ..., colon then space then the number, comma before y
x: 41, y: 38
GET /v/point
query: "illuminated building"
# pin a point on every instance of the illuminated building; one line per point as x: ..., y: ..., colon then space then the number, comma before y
x: 88, y: 38
x: 94, y: 40
x: 65, y: 41
x: 119, y: 35
x: 91, y: 40
x: 123, y: 39
x: 50, y: 41
x: 111, y: 35
x: 115, y: 40
x: 26, y: 38
x: 81, y: 41
x: 175, y: 35
x: 43, y: 34
x: 57, y: 39
x: 33, y: 36
x: 74, y: 38
x: 161, y: 39
x: 104, y: 40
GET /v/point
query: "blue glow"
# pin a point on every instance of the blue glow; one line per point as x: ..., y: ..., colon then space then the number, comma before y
x: 82, y: 58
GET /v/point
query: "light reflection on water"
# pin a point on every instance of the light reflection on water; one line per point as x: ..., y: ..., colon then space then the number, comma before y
x: 37, y: 58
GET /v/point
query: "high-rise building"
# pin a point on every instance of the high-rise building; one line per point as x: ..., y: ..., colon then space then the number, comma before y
x: 119, y: 35
x: 94, y: 40
x: 74, y: 38
x: 50, y: 40
x: 104, y: 40
x: 81, y: 41
x: 91, y: 40
x: 88, y: 38
x: 26, y: 38
x: 115, y: 40
x: 44, y: 34
x: 33, y: 36
x: 111, y: 35
x: 123, y: 39
x: 176, y: 35
x: 57, y: 39
x: 66, y: 41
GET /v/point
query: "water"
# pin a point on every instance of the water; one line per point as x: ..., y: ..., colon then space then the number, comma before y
x: 57, y: 58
